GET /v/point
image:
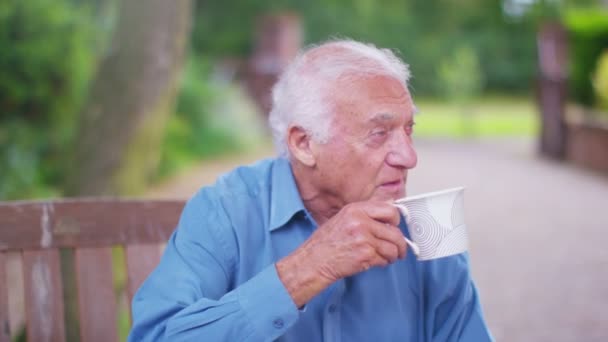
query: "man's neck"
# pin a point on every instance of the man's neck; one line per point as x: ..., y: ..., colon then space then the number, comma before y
x: 321, y: 206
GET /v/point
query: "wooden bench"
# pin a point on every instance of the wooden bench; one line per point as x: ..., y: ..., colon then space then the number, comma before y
x: 37, y: 231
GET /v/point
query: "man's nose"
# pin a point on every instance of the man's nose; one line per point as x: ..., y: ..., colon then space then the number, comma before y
x: 402, y: 153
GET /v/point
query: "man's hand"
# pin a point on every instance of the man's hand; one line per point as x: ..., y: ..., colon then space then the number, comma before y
x: 359, y: 236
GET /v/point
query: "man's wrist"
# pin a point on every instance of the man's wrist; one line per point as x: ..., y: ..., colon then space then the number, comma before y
x: 300, y: 279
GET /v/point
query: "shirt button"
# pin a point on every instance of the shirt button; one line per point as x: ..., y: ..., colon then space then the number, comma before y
x: 332, y: 308
x: 278, y: 323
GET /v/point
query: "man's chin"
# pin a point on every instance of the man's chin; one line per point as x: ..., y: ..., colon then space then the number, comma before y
x: 392, y: 195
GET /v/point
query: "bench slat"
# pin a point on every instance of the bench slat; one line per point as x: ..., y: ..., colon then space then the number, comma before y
x: 5, y: 335
x: 86, y: 223
x: 96, y: 298
x: 141, y: 260
x: 43, y: 295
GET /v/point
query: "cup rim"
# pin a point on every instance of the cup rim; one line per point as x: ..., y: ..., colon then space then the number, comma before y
x: 429, y: 194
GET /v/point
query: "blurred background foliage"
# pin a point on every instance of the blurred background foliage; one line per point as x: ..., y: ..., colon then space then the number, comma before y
x: 47, y: 55
x: 600, y: 81
x: 458, y: 50
x: 423, y: 31
x: 588, y: 35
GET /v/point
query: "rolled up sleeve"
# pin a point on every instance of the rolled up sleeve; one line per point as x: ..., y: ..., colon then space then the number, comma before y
x: 189, y: 295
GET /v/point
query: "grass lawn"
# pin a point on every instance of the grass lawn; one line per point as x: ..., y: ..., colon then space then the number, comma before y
x: 490, y: 116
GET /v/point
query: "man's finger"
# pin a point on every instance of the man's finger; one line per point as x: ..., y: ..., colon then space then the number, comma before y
x: 390, y: 234
x: 387, y: 250
x: 381, y: 211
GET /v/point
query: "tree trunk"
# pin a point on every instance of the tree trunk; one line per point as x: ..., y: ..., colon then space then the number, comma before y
x: 123, y: 122
x: 122, y: 125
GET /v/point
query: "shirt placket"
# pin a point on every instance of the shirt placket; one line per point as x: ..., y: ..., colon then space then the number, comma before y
x: 331, y: 313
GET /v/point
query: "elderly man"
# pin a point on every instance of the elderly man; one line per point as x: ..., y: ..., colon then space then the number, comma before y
x: 307, y: 246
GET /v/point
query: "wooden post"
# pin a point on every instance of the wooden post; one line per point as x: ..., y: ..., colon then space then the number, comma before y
x: 43, y: 296
x: 5, y: 333
x: 278, y: 39
x: 551, y: 89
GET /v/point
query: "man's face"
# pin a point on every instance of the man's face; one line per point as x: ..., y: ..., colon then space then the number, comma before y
x: 370, y: 146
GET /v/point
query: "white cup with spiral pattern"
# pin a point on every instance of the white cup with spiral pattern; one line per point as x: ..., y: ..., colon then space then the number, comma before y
x: 436, y: 222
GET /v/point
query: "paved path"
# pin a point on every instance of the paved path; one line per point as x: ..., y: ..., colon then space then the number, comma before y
x: 538, y: 229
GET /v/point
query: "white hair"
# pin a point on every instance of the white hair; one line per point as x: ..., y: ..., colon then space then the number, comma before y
x: 302, y: 95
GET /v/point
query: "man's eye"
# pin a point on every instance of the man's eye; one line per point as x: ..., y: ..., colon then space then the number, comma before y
x: 409, y: 128
x: 379, y: 133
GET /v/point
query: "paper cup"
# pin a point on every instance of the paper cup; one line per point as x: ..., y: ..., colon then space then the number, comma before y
x: 436, y: 222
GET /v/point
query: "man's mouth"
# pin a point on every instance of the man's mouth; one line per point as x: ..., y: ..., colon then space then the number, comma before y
x: 397, y: 184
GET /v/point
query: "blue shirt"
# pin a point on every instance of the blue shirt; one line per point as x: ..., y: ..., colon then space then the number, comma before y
x: 217, y: 280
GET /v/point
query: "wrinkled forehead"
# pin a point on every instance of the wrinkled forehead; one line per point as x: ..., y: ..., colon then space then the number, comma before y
x: 374, y: 91
x: 366, y: 101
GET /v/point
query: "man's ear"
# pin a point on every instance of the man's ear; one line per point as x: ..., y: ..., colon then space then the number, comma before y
x: 299, y: 144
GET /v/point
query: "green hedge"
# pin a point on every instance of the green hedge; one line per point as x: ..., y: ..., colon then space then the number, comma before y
x: 588, y: 37
x: 191, y: 134
x: 46, y: 59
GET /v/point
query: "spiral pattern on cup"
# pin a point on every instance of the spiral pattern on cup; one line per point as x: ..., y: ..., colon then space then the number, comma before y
x: 436, y: 223
x: 425, y: 230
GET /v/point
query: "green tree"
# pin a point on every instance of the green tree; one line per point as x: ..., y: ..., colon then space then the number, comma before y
x: 122, y: 125
x: 423, y: 31
x: 46, y: 61
x: 600, y: 81
x: 462, y: 80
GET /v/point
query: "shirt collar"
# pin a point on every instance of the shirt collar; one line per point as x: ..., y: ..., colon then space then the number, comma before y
x: 285, y: 200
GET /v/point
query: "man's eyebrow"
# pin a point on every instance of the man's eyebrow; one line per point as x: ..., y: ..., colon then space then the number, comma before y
x: 382, y: 118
